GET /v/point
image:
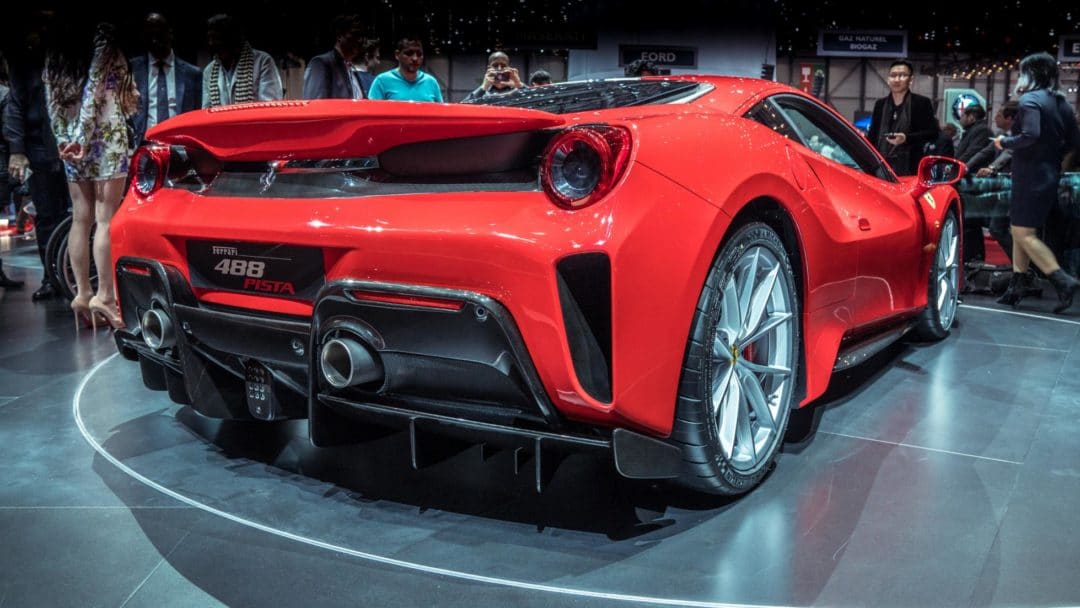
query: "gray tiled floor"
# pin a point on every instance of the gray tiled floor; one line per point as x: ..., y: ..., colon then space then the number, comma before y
x: 942, y: 474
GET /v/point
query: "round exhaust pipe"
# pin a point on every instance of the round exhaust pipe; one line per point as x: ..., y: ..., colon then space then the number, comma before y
x: 346, y: 362
x: 157, y: 329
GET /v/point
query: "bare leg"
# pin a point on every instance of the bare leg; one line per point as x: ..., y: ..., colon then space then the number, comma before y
x: 82, y: 205
x: 109, y: 196
x: 1032, y: 249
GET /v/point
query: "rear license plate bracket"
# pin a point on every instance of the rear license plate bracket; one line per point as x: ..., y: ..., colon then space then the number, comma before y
x: 264, y: 269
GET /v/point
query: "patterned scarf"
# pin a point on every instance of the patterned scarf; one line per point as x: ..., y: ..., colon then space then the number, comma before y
x: 245, y: 78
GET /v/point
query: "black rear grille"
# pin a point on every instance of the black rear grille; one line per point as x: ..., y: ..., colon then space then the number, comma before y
x: 585, y: 296
x: 506, y: 162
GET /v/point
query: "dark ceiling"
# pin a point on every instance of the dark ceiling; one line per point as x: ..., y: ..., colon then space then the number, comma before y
x: 990, y: 29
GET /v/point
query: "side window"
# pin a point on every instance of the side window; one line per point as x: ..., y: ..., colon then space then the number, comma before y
x: 819, y: 140
x: 823, y: 133
x: 766, y: 113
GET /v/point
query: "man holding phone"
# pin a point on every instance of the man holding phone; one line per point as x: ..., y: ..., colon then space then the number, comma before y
x: 902, y: 121
x: 499, y: 79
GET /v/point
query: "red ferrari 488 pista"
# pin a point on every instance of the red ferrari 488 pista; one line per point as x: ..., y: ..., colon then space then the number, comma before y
x: 660, y: 268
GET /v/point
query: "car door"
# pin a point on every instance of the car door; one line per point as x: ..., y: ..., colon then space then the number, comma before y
x: 876, y: 209
x: 834, y: 236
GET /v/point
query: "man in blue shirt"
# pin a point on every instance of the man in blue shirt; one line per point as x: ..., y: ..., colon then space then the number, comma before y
x: 408, y: 82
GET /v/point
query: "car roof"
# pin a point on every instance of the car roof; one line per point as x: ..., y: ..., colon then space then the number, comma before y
x: 733, y: 93
x: 727, y: 94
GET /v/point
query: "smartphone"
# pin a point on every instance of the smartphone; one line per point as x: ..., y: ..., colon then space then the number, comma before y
x: 502, y: 76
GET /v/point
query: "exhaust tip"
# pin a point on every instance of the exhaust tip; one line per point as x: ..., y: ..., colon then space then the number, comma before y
x: 345, y: 362
x: 157, y: 329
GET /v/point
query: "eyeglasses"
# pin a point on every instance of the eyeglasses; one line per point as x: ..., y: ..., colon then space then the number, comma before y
x: 899, y: 75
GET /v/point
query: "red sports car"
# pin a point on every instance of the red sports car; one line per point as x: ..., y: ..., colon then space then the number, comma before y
x: 659, y: 268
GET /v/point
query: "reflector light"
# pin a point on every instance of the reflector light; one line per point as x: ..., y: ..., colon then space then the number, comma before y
x: 406, y: 300
x: 582, y: 164
x: 255, y: 105
x: 142, y: 271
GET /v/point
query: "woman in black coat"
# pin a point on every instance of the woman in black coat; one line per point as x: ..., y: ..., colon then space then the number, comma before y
x: 1044, y: 130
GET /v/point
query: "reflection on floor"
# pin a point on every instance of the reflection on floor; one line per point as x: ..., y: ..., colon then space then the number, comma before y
x: 940, y: 474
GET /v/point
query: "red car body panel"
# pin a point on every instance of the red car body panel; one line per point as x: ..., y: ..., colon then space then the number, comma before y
x: 862, y: 241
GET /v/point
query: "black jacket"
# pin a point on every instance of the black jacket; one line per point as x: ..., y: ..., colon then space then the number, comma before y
x: 942, y: 146
x: 1044, y: 130
x: 326, y: 78
x: 188, y: 88
x: 924, y: 128
x: 974, y: 140
x: 998, y: 160
x: 26, y: 118
x: 3, y: 140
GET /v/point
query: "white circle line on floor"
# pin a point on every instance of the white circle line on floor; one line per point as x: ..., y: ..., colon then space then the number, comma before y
x: 1021, y: 314
x: 75, y: 406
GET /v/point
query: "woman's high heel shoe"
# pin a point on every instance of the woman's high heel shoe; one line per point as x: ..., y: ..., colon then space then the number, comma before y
x: 81, y: 307
x: 108, y: 311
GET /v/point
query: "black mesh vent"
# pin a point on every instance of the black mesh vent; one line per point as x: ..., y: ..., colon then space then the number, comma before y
x: 506, y: 162
x: 585, y: 295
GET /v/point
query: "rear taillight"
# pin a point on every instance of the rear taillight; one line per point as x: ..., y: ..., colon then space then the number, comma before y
x: 149, y: 166
x: 184, y: 167
x: 581, y: 164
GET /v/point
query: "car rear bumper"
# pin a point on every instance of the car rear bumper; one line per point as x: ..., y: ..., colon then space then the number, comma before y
x: 451, y: 363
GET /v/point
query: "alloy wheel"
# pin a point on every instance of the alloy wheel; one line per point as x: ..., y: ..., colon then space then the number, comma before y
x: 947, y: 272
x: 753, y: 353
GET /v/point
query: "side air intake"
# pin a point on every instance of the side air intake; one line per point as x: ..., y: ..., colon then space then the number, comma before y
x: 585, y: 296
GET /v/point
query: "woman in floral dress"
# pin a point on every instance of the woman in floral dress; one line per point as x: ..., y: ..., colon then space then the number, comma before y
x: 90, y: 94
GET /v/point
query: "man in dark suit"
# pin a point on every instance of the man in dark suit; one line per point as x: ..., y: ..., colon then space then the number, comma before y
x: 34, y: 155
x: 903, y: 122
x: 169, y: 85
x: 975, y: 138
x: 337, y: 74
x: 943, y: 145
x: 5, y: 187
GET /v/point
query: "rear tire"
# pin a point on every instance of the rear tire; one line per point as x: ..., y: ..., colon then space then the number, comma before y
x: 741, y: 364
x: 58, y: 267
x: 943, y: 291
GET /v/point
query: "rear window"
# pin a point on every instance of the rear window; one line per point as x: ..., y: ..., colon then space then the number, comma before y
x: 585, y: 96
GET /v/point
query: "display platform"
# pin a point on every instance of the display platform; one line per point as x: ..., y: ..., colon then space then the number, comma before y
x: 934, y: 474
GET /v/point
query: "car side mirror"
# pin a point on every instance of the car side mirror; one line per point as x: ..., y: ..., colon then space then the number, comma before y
x: 938, y: 171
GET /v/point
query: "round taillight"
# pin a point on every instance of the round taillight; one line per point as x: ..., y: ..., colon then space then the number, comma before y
x: 582, y: 164
x: 149, y: 164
